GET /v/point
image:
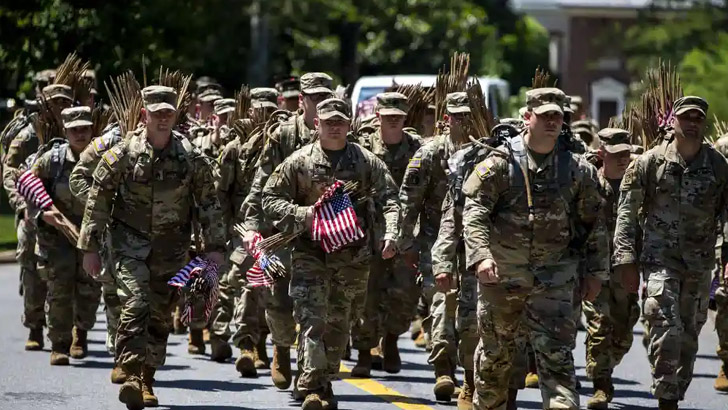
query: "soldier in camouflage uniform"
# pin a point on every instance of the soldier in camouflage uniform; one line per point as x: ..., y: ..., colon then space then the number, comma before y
x: 34, y: 288
x: 422, y: 193
x: 291, y: 135
x: 73, y: 296
x: 674, y: 192
x: 323, y: 285
x: 213, y: 142
x: 611, y: 317
x: 392, y: 293
x: 524, y: 237
x: 289, y: 90
x: 721, y: 293
x: 238, y: 302
x: 145, y: 189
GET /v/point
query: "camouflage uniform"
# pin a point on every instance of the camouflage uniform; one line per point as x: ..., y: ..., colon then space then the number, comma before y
x: 676, y: 205
x: 146, y: 198
x: 392, y: 293
x: 721, y: 294
x: 323, y: 286
x: 538, y: 257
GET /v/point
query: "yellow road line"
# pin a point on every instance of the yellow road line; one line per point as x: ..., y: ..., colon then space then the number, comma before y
x: 383, y: 392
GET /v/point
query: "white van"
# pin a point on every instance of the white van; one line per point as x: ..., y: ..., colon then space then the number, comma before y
x: 495, y: 89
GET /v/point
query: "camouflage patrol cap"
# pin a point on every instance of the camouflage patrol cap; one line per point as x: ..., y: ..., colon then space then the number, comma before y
x: 392, y: 104
x: 615, y: 140
x: 316, y: 83
x: 567, y: 105
x: 576, y: 102
x: 456, y: 103
x: 333, y: 107
x: 210, y: 95
x: 45, y: 76
x: 514, y: 122
x: 90, y: 75
x: 289, y: 88
x: 158, y: 97
x: 689, y: 103
x: 53, y: 91
x: 543, y: 100
x: 224, y: 106
x: 264, y: 97
x: 76, y: 117
x: 522, y: 112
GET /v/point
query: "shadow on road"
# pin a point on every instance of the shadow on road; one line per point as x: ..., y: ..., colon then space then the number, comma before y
x: 615, y: 380
x: 369, y: 398
x: 203, y: 406
x: 208, y: 385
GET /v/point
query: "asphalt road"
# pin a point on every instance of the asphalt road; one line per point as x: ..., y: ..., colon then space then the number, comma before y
x: 27, y: 381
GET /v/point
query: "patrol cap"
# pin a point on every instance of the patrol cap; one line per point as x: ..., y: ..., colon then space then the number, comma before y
x: 90, y: 75
x: 224, y: 106
x: 316, y: 83
x: 159, y: 97
x: 567, y: 105
x: 76, y: 117
x: 264, y: 98
x: 209, y: 95
x: 53, y: 91
x: 392, y: 104
x: 45, y: 76
x: 289, y: 88
x: 204, y: 83
x: 333, y: 107
x: 514, y: 122
x: 689, y: 103
x: 615, y: 140
x: 456, y: 103
x: 543, y: 100
x: 522, y: 111
x: 576, y: 102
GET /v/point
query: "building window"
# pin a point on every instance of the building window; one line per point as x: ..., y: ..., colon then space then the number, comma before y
x: 607, y: 99
x: 555, y: 52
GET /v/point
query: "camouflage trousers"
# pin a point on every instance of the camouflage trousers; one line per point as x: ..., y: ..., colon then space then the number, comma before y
x: 109, y: 291
x: 323, y: 288
x: 545, y: 315
x: 35, y: 289
x: 73, y: 296
x: 676, y: 309
x: 721, y: 321
x: 610, y: 320
x: 389, y: 305
x: 147, y: 302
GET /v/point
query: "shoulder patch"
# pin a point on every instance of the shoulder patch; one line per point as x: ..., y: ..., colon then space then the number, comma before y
x: 415, y: 163
x: 99, y: 145
x: 110, y: 157
x: 482, y: 170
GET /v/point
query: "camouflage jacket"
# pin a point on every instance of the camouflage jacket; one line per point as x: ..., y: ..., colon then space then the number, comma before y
x: 397, y: 160
x: 677, y: 205
x: 566, y: 222
x: 304, y: 176
x: 148, y: 199
x: 21, y: 147
x: 81, y: 177
x: 205, y: 144
x: 284, y: 141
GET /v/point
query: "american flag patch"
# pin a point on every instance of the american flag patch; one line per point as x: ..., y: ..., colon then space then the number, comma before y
x: 415, y: 163
x: 99, y: 145
x: 110, y: 157
x: 482, y: 170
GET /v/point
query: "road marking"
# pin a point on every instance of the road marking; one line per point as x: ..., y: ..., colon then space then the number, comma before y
x: 383, y: 392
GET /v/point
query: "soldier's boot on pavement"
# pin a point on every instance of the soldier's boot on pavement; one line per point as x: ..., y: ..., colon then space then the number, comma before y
x: 420, y: 340
x: 664, y: 404
x: 79, y: 346
x: 245, y: 364
x: 297, y: 394
x: 347, y: 351
x: 511, y: 403
x: 363, y: 368
x: 35, y: 340
x: 261, y: 354
x: 391, y: 363
x: 603, y: 394
x: 721, y: 382
x: 313, y: 401
x: 220, y: 350
x: 444, y: 384
x: 280, y: 370
x: 328, y: 400
x: 178, y: 327
x: 196, y: 342
x: 415, y: 328
x: 150, y: 400
x: 118, y: 375
x: 465, y: 398
x: 532, y: 380
x: 130, y: 393
x: 59, y: 355
x: 376, y: 358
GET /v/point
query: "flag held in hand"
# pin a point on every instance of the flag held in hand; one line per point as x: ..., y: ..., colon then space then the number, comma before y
x: 32, y: 189
x: 334, y: 220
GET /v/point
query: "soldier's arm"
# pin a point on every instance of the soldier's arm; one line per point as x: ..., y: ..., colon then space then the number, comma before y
x: 482, y: 191
x: 82, y: 175
x: 385, y: 195
x: 591, y: 218
x: 210, y: 215
x: 19, y: 149
x: 278, y: 200
x: 631, y: 198
x: 412, y: 194
x: 97, y: 213
x: 270, y: 158
x: 444, y: 250
x: 227, y: 163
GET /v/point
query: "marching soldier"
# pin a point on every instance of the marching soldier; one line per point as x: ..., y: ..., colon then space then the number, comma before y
x: 213, y: 142
x: 721, y: 293
x: 289, y: 90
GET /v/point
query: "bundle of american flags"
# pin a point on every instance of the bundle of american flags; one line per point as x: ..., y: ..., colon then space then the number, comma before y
x: 32, y: 189
x: 198, y: 281
x: 266, y: 269
x: 334, y: 219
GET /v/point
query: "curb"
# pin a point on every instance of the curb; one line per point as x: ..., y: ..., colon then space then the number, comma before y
x: 7, y: 256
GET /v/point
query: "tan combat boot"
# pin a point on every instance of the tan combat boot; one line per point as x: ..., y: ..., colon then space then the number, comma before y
x: 59, y: 356
x: 313, y: 401
x: 420, y: 340
x: 246, y: 362
x: 511, y: 403
x: 721, y: 382
x: 220, y: 350
x: 280, y: 371
x: 391, y: 363
x: 130, y: 393
x: 79, y: 347
x: 444, y: 384
x: 603, y: 393
x: 465, y: 398
x: 118, y: 376
x: 261, y: 354
x: 150, y: 400
x: 363, y: 368
x: 376, y: 358
x: 196, y: 343
x: 532, y: 380
x: 35, y: 340
x: 664, y: 404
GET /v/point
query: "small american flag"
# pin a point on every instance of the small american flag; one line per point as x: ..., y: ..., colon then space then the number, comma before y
x: 257, y: 275
x: 32, y: 189
x: 199, y: 280
x: 334, y: 220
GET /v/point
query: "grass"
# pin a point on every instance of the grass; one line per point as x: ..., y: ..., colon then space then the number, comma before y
x: 7, y: 232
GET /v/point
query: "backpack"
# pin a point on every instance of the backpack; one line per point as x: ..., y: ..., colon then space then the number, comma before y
x: 17, y: 124
x: 58, y: 147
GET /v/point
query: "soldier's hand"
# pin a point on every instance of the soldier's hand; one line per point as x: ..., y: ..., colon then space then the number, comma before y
x: 389, y: 249
x: 92, y: 264
x: 590, y: 288
x: 411, y: 257
x: 487, y: 271
x: 52, y: 217
x: 442, y: 280
x: 630, y: 277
